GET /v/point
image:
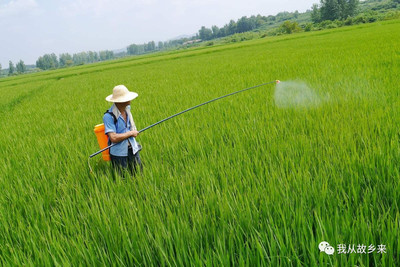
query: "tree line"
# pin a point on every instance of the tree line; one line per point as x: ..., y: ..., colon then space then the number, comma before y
x: 139, y: 49
x: 244, y: 24
x: 19, y: 68
x: 50, y: 61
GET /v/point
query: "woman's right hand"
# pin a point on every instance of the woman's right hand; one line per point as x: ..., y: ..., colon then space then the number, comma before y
x: 134, y: 133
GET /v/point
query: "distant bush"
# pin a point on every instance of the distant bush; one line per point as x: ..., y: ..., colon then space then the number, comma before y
x: 359, y: 19
x: 348, y: 21
x: 392, y: 15
x: 371, y: 19
x: 249, y: 36
x: 245, y: 36
x: 339, y: 23
x: 328, y: 24
x: 308, y: 27
x: 289, y: 27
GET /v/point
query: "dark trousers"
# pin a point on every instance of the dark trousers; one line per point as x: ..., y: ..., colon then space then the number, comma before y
x: 132, y: 163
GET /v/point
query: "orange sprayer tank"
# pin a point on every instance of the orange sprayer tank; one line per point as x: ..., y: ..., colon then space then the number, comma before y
x: 102, y: 139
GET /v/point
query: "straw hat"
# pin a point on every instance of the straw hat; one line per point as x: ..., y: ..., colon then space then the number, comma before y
x: 121, y: 94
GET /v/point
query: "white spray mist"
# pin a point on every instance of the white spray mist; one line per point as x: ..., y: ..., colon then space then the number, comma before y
x: 295, y: 94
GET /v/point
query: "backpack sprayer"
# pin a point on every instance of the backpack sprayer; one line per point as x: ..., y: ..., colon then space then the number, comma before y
x: 102, y: 138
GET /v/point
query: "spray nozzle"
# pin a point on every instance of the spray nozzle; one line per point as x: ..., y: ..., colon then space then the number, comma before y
x: 278, y: 81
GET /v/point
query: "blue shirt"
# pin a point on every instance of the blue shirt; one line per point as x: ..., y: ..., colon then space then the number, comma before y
x: 120, y: 149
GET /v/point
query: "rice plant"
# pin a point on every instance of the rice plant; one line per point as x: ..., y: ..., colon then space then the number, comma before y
x: 260, y: 178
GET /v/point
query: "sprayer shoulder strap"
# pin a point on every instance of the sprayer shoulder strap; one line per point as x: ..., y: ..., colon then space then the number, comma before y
x: 112, y: 115
x: 115, y: 122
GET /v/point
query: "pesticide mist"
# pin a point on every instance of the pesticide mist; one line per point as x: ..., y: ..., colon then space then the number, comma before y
x: 295, y: 94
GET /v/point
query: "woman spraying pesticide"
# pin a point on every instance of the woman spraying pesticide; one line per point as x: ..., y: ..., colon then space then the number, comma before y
x: 121, y: 131
x: 121, y: 98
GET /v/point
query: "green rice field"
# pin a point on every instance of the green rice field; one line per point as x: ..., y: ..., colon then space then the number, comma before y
x: 256, y: 179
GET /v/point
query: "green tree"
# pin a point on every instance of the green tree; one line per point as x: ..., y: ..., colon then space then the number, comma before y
x: 260, y: 21
x: 215, y: 31
x: 282, y: 16
x: 315, y: 13
x: 11, y: 68
x: 103, y: 55
x: 141, y: 49
x: 342, y: 7
x: 330, y: 10
x: 151, y: 46
x: 0, y: 70
x: 79, y: 58
x: 231, y: 27
x: 63, y: 58
x: 47, y: 61
x: 352, y: 8
x: 54, y: 61
x: 243, y: 25
x: 132, y: 49
x: 21, y: 68
x: 106, y: 55
x: 271, y: 18
x: 40, y: 63
x: 334, y: 10
x: 205, y: 33
x: 91, y: 56
x: 160, y: 45
x: 222, y: 32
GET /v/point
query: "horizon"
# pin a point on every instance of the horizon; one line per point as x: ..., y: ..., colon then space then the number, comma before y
x: 77, y: 26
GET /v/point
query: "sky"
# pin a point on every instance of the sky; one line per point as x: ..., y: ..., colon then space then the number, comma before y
x: 32, y: 28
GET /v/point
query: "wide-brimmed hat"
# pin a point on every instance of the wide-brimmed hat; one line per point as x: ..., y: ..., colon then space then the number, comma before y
x: 121, y: 94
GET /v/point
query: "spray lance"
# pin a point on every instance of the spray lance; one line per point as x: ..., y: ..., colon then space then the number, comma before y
x: 186, y: 110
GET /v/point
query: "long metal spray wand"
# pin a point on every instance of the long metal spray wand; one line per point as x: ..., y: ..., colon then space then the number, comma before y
x: 186, y: 110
